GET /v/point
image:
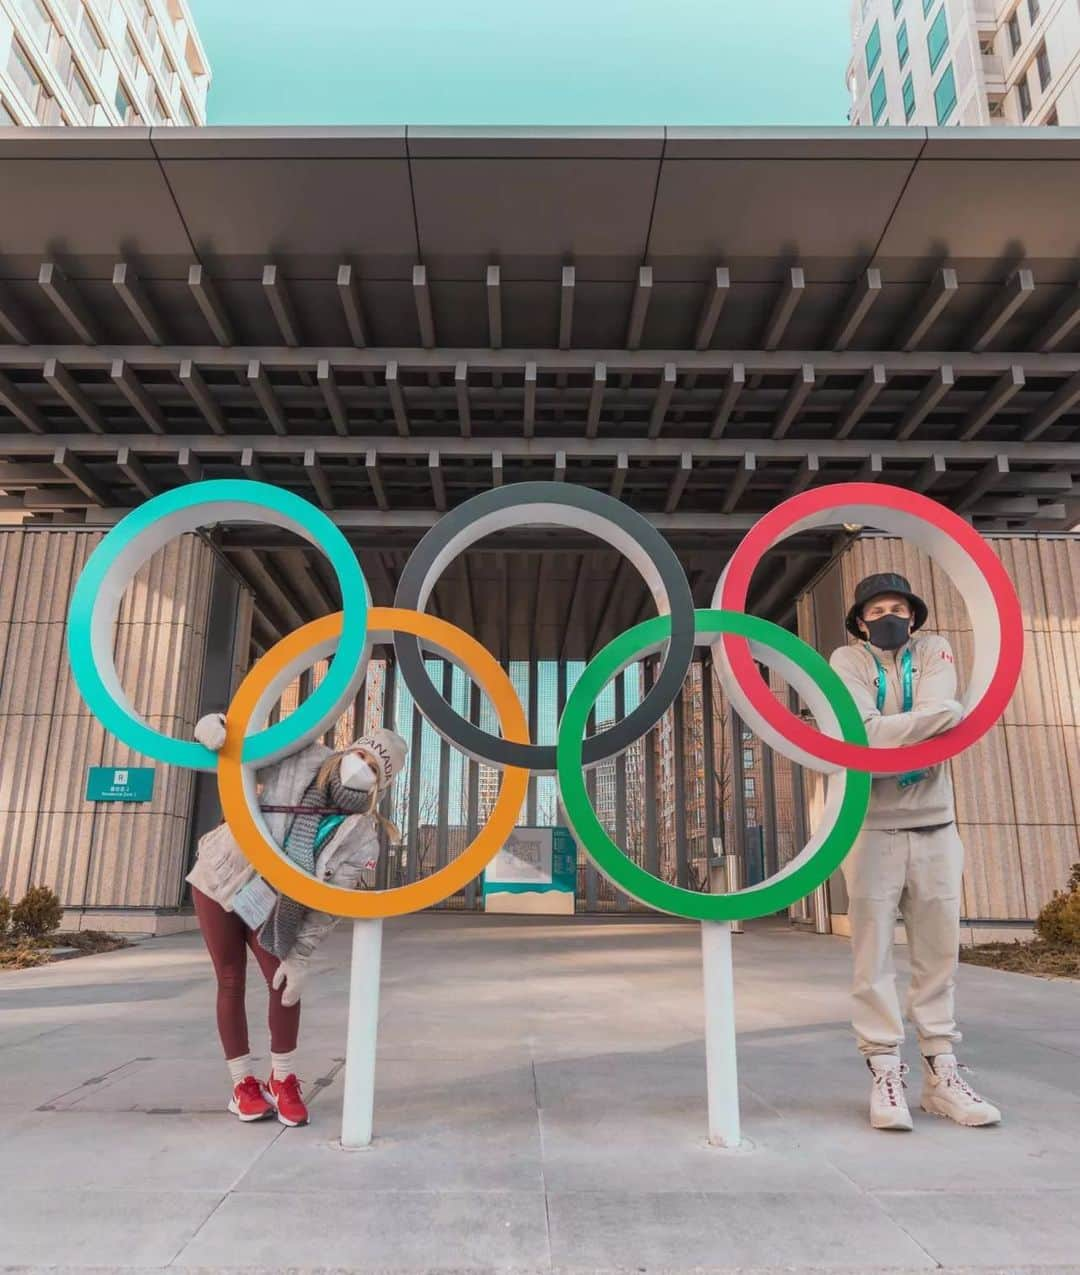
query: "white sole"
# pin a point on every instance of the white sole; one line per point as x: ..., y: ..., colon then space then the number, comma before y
x: 891, y: 1128
x: 234, y: 1110
x: 967, y: 1124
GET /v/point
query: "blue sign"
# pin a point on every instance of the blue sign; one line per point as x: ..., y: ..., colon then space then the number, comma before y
x: 120, y: 783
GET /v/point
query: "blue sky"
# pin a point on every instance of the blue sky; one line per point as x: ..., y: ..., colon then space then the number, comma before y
x: 600, y: 62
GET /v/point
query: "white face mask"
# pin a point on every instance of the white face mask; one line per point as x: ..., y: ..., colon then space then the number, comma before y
x: 356, y: 773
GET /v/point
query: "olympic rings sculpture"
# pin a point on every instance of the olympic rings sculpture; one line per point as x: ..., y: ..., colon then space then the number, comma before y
x: 837, y: 746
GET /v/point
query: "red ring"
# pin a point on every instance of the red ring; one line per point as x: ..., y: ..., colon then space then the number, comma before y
x: 772, y: 528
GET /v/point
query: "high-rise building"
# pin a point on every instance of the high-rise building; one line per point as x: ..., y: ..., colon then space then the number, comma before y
x: 970, y: 62
x: 101, y: 62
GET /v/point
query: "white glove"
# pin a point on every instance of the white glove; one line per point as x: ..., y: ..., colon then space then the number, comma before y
x: 356, y: 773
x: 292, y: 974
x: 210, y: 731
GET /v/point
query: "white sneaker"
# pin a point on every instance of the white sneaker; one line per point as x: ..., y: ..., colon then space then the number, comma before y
x: 888, y: 1106
x: 946, y: 1093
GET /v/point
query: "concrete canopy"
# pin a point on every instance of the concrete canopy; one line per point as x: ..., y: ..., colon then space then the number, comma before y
x: 390, y: 320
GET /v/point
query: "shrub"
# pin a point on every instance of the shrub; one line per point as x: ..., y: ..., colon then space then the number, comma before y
x: 5, y: 916
x: 1059, y: 921
x: 22, y: 956
x: 38, y: 913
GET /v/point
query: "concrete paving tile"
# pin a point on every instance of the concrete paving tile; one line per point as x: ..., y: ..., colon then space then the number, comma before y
x: 402, y: 1230
x: 132, y: 1151
x: 979, y: 1228
x: 91, y: 1227
x: 698, y: 1229
x: 464, y: 1125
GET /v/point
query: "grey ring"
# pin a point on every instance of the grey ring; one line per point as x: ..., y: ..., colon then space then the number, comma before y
x: 584, y: 510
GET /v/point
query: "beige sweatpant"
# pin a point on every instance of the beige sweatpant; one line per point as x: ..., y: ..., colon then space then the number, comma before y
x: 919, y: 874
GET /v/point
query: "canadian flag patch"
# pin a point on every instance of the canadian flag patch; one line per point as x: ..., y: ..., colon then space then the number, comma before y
x: 947, y: 655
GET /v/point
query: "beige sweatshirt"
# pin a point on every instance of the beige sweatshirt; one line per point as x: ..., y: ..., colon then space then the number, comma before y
x: 934, y: 709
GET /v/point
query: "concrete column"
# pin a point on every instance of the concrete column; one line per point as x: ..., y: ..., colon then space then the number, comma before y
x: 682, y: 850
x: 620, y: 783
x: 652, y: 839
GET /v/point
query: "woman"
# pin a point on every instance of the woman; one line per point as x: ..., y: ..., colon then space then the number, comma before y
x: 320, y: 806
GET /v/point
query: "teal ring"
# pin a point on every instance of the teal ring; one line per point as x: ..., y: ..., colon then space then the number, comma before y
x: 110, y: 568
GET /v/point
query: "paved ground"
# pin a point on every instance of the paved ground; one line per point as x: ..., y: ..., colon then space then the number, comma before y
x: 540, y: 1106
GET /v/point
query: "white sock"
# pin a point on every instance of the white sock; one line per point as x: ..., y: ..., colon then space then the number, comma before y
x: 239, y: 1068
x: 283, y: 1064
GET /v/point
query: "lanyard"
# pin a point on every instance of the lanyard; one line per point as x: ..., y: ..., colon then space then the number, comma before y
x: 907, y: 684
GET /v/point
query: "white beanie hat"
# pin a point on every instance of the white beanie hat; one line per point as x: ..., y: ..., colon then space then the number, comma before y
x: 386, y: 749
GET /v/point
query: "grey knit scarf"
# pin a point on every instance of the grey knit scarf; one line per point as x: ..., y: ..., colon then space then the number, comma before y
x: 281, y: 927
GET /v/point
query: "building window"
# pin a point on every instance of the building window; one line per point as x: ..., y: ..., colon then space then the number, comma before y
x: 38, y: 20
x: 747, y: 757
x: 751, y: 816
x: 1023, y: 93
x: 902, y: 49
x: 26, y: 79
x: 1051, y: 120
x: 873, y: 48
x: 897, y: 5
x: 909, y: 99
x: 158, y: 113
x: 186, y: 118
x: 749, y: 786
x: 80, y: 92
x: 6, y: 117
x: 123, y: 105
x: 1015, y: 39
x: 927, y: 5
x: 877, y: 98
x: 1042, y: 61
x: 945, y: 95
x: 937, y: 40
x: 1033, y: 11
x: 92, y: 43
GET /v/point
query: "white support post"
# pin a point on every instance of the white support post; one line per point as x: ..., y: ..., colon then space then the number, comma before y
x: 357, y: 1114
x: 721, y: 1070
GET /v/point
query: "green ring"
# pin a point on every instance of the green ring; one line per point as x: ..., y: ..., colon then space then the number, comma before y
x: 760, y: 900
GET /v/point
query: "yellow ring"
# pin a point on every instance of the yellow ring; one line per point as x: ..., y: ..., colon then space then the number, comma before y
x: 270, y: 862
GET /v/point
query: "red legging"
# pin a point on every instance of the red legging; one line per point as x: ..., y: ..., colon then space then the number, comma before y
x: 227, y: 940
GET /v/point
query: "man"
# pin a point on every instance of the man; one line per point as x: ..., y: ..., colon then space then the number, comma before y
x: 908, y: 857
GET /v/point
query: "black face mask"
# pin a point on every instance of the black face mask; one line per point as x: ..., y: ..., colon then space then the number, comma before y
x: 890, y: 632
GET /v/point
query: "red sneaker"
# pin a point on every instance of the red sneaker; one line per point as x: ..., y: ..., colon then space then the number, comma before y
x: 285, y: 1095
x: 249, y: 1100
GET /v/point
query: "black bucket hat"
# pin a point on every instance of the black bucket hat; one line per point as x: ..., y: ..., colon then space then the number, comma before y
x: 873, y: 587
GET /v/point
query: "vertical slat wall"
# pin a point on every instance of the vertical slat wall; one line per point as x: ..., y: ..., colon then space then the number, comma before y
x: 1018, y: 789
x: 94, y: 855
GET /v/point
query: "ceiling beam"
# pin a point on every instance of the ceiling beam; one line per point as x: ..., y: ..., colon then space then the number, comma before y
x: 137, y: 396
x: 987, y: 478
x: 805, y: 475
x: 869, y: 388
x: 190, y: 465
x: 425, y: 318
x: 63, y: 384
x: 75, y: 471
x: 559, y: 468
x: 1061, y: 323
x: 496, y: 469
x: 866, y: 290
x: 870, y: 470
x: 529, y: 410
x: 743, y: 473
x: 268, y: 589
x: 209, y: 303
x: 68, y: 303
x: 1003, y: 389
x: 397, y: 398
x: 1019, y: 289
x: 728, y: 399
x: 281, y: 306
x: 371, y: 464
x: 1064, y: 400
x: 678, y: 483
x: 493, y: 288
x: 716, y: 294
x: 135, y: 472
x: 639, y: 308
x: 941, y: 289
x: 349, y: 295
x: 801, y: 385
x: 935, y: 389
x: 928, y: 474
x: 25, y: 412
x: 317, y: 477
x: 792, y: 291
x: 199, y: 392
x: 256, y: 377
x: 461, y: 390
x: 327, y: 383
x: 663, y: 399
x: 131, y: 291
x: 596, y: 400
x: 618, y: 477
x: 252, y: 466
x: 307, y: 582
x: 13, y: 321
x: 438, y: 483
x: 566, y: 306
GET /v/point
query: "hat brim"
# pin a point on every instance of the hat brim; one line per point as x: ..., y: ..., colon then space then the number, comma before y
x: 920, y: 613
